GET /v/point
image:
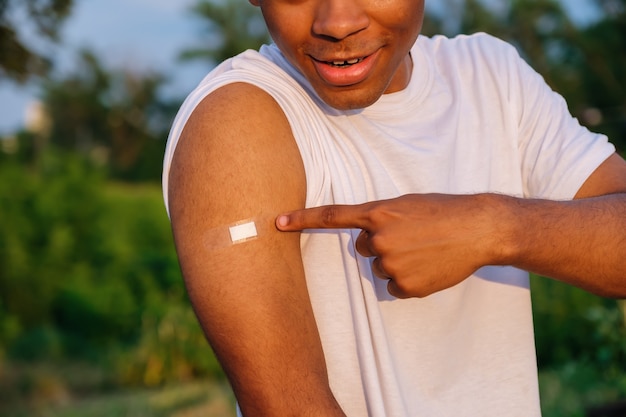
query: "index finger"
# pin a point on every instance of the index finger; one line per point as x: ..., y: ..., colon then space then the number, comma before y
x: 325, y: 217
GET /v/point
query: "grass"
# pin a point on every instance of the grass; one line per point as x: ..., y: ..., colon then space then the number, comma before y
x: 566, y: 391
x: 194, y: 399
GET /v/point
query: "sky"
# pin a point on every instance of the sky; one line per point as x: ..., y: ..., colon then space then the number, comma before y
x: 139, y: 34
x: 135, y: 34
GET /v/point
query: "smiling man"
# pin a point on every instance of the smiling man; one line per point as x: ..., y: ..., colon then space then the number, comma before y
x: 447, y: 169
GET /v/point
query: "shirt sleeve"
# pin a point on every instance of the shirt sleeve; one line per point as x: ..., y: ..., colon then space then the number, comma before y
x: 557, y: 153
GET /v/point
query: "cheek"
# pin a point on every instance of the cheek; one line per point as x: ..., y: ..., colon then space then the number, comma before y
x: 406, y: 15
x: 288, y: 22
x: 289, y: 30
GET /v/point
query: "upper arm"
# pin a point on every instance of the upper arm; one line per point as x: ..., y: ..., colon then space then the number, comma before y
x: 608, y: 178
x: 237, y: 159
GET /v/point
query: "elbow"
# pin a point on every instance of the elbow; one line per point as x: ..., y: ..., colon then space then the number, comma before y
x: 617, y: 295
x: 610, y: 294
x: 615, y: 290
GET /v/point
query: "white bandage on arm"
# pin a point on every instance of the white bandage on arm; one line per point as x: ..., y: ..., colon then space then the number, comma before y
x: 238, y: 232
x: 243, y: 231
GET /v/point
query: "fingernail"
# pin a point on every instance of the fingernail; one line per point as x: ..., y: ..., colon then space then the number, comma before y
x: 283, y: 220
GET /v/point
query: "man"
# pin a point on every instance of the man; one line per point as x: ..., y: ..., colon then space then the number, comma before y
x: 459, y: 165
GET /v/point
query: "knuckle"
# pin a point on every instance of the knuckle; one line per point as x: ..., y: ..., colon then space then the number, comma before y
x: 376, y: 213
x: 382, y: 264
x: 375, y: 240
x: 391, y: 270
x: 329, y: 216
x: 408, y: 289
x: 380, y: 243
x: 381, y: 212
x: 394, y: 289
x: 403, y: 287
x: 421, y: 294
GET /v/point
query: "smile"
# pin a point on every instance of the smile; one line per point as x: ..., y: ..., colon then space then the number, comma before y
x: 340, y: 72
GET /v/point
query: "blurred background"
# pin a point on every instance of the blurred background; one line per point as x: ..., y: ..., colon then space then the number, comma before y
x: 94, y: 320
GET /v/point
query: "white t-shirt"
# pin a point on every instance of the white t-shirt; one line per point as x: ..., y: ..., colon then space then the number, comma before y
x: 474, y: 118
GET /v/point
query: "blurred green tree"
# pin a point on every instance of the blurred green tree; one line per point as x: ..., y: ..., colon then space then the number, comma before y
x: 603, y: 65
x: 116, y: 118
x: 83, y: 261
x: 231, y: 27
x: 19, y: 60
x: 48, y: 233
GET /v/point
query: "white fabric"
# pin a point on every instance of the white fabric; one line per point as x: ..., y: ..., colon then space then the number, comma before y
x: 475, y: 118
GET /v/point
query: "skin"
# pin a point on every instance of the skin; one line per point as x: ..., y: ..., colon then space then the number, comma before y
x: 251, y: 299
x: 427, y: 243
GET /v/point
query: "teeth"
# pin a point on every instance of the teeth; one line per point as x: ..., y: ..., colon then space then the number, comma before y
x: 348, y: 62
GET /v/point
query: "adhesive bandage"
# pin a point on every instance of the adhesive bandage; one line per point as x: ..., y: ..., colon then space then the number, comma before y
x: 242, y: 232
x: 239, y: 232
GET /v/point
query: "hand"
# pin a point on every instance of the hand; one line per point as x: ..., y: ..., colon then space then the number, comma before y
x: 421, y: 243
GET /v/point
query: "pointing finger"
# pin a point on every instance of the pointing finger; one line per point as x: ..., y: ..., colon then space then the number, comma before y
x: 325, y: 217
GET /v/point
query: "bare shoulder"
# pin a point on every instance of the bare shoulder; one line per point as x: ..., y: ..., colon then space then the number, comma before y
x: 238, y: 108
x: 237, y: 150
x: 236, y: 159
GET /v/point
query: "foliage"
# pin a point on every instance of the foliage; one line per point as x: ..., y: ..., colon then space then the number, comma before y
x: 575, y: 309
x: 117, y: 118
x: 603, y: 68
x: 48, y: 227
x: 581, y: 348
x: 232, y: 26
x: 89, y: 275
x: 19, y: 60
x: 577, y: 387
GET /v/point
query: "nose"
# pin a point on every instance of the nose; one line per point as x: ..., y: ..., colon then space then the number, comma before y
x: 339, y: 19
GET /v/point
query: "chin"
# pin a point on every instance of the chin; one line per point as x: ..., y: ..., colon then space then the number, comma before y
x: 346, y: 101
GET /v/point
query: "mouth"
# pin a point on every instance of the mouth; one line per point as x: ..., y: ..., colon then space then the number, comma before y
x: 339, y: 72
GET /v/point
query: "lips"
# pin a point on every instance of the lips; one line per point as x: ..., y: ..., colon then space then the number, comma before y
x: 345, y: 72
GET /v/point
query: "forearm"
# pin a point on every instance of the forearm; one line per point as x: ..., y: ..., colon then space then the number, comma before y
x: 580, y: 242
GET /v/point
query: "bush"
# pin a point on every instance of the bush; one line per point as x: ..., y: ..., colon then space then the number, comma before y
x: 89, y: 274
